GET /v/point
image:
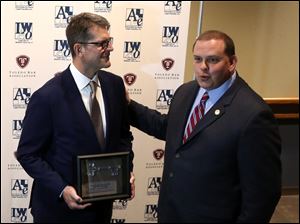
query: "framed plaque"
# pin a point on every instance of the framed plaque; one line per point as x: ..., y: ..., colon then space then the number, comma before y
x: 103, y: 176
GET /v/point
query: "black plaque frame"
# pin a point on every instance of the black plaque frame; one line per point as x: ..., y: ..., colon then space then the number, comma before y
x: 103, y: 176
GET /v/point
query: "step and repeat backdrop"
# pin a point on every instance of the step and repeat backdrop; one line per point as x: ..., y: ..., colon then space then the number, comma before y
x: 150, y: 40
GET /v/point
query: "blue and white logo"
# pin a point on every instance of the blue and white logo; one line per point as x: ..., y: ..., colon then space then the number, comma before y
x: 134, y: 19
x: 18, y: 214
x: 150, y: 212
x: 63, y: 15
x: 23, y: 32
x: 19, y: 188
x: 102, y: 6
x: 170, y: 36
x: 21, y: 97
x: 24, y: 5
x: 17, y: 126
x: 163, y: 99
x: 61, y: 50
x: 120, y: 204
x: 172, y: 7
x: 132, y: 51
x: 153, y: 187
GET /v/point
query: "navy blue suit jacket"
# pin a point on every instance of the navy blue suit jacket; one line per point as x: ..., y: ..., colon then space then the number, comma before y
x: 229, y: 170
x: 56, y: 129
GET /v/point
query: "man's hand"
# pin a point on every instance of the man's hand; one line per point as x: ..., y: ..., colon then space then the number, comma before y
x: 132, y: 179
x: 72, y: 199
x: 127, y: 96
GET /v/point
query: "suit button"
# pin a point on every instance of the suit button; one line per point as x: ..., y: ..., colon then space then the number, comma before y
x: 171, y: 174
x: 177, y: 155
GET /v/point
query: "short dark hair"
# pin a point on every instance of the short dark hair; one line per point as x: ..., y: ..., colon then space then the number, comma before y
x: 218, y: 35
x: 78, y: 28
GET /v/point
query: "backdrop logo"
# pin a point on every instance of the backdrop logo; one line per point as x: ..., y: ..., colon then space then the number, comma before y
x: 129, y: 78
x: 150, y: 212
x: 163, y: 99
x: 170, y: 36
x: 18, y: 214
x: 117, y: 221
x: 22, y: 61
x: 132, y: 51
x: 24, y: 5
x: 21, y: 97
x: 158, y: 154
x: 19, y: 188
x: 134, y: 19
x: 14, y: 166
x: 167, y: 63
x: 135, y: 91
x: 172, y: 7
x: 102, y: 6
x: 120, y: 204
x: 61, y: 50
x: 62, y: 16
x: 17, y: 126
x: 23, y: 32
x: 153, y: 185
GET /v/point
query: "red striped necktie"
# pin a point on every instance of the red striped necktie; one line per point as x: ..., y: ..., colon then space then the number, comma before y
x: 196, y: 116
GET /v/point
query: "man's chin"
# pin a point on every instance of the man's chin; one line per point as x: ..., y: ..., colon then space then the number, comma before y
x: 106, y: 64
x: 205, y: 85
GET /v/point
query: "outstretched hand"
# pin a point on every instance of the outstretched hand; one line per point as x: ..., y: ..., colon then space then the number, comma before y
x: 127, y: 96
x: 132, y: 179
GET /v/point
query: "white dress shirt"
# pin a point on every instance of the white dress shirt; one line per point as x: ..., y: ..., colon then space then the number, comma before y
x: 84, y: 88
x: 214, y: 95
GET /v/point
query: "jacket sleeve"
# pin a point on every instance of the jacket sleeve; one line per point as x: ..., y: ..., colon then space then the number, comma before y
x: 126, y: 134
x: 147, y: 120
x: 35, y: 141
x: 259, y: 168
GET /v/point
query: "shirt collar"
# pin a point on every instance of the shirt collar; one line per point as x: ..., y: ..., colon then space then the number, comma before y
x: 215, y: 94
x: 81, y: 80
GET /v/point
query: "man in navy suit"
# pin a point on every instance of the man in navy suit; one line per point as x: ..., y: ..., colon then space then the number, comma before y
x: 228, y: 168
x: 57, y: 126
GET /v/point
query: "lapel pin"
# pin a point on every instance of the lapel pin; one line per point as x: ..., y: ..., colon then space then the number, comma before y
x: 217, y: 112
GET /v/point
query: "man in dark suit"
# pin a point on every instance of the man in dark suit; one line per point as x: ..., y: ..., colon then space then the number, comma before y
x: 222, y: 164
x: 57, y: 126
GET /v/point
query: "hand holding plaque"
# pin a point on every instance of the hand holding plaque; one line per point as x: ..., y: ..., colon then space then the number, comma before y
x: 103, y: 176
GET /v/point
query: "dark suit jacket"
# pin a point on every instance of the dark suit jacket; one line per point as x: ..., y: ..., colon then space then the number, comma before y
x: 229, y: 170
x: 56, y: 129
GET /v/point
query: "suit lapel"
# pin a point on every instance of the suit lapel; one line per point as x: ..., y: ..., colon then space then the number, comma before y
x: 218, y: 110
x: 73, y: 95
x: 73, y: 98
x: 211, y: 116
x: 182, y: 109
x: 107, y: 102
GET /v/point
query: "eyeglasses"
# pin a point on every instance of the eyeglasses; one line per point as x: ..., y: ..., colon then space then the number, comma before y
x: 103, y: 44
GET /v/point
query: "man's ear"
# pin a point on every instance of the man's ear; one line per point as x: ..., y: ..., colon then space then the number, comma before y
x: 233, y: 62
x: 77, y: 49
